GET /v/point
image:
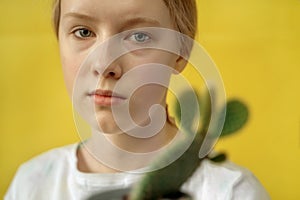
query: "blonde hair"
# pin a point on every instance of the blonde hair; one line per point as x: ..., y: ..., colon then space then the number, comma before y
x: 182, y: 12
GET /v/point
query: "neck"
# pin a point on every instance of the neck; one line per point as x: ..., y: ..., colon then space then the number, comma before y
x: 143, y: 145
x: 109, y: 153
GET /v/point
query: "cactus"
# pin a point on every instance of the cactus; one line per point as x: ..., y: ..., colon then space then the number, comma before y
x: 168, y: 180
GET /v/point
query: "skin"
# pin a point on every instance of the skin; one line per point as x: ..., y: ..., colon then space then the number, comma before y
x: 85, y: 24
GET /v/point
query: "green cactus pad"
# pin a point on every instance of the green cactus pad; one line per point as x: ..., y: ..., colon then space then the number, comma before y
x: 236, y: 117
x: 186, y: 105
x: 169, y: 179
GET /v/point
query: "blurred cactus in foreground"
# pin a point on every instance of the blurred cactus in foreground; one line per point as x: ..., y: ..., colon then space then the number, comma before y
x: 168, y: 180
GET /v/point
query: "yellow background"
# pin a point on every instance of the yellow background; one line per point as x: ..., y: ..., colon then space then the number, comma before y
x: 255, y: 44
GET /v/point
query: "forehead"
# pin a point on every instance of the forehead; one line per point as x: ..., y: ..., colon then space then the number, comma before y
x: 106, y: 11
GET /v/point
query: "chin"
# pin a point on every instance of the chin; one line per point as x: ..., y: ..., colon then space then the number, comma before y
x: 107, y: 125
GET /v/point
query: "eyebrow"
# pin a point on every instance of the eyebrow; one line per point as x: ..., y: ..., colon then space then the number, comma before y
x: 126, y: 23
x: 140, y: 20
x: 80, y: 16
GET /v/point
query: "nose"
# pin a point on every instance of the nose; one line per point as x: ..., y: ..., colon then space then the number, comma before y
x: 114, y: 70
x: 107, y: 60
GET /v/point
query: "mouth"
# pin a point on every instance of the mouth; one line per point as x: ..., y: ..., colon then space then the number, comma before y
x: 106, y: 97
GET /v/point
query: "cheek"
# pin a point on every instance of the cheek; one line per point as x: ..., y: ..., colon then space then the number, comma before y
x: 155, y: 56
x: 143, y: 99
x: 150, y: 94
x: 70, y: 64
x: 169, y: 59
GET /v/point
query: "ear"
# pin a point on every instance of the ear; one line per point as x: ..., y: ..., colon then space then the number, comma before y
x: 180, y: 65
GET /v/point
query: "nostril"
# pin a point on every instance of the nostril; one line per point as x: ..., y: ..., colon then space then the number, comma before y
x: 96, y: 73
x: 112, y: 73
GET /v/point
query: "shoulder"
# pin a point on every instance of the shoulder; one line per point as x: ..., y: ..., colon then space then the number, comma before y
x: 224, y: 181
x: 46, y: 166
x: 49, y: 159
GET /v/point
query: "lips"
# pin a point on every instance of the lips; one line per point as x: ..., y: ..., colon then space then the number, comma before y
x: 106, y: 97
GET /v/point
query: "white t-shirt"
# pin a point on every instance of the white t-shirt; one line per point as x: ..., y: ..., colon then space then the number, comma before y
x: 54, y: 175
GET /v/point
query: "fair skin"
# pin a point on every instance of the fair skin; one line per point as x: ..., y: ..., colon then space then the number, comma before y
x: 85, y: 24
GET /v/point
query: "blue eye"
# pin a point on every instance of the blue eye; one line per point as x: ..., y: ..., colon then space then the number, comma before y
x: 83, y: 33
x: 140, y: 37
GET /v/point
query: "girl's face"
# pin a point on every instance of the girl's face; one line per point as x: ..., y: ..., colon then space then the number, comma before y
x: 85, y: 24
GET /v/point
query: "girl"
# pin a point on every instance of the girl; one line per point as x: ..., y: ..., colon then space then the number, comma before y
x: 75, y: 171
